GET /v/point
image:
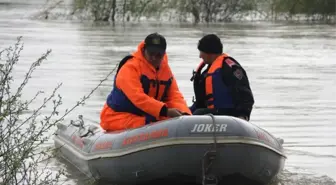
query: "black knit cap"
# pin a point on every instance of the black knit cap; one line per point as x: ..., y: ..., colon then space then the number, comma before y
x: 210, y: 43
x: 155, y: 43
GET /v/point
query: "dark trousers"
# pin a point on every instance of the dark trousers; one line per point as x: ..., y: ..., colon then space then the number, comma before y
x: 224, y: 112
x: 202, y: 111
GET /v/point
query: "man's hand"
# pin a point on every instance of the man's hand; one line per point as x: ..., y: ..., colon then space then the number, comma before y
x: 172, y: 112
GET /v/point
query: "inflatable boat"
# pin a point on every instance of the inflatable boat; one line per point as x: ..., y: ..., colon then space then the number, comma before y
x: 202, y: 149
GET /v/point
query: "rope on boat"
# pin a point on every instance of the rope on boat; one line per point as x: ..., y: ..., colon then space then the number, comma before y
x: 209, y: 157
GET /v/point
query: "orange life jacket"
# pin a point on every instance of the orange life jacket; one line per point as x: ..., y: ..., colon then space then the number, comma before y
x: 217, y: 94
x: 156, y: 88
x: 139, y: 93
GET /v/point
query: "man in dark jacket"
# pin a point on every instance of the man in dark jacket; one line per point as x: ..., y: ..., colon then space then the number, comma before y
x: 223, y: 87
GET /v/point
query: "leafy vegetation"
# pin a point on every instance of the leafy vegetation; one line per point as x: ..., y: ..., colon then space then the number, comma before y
x: 206, y: 10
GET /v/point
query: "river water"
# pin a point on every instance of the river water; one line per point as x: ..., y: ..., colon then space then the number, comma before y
x: 291, y: 67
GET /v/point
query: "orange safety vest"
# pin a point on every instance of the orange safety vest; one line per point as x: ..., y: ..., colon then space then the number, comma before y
x: 118, y: 101
x: 139, y: 93
x: 217, y: 94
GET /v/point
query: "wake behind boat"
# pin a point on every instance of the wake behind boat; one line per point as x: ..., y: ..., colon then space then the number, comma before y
x: 202, y: 149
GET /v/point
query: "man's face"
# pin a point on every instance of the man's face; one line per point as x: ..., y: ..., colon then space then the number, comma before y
x: 155, y: 58
x: 206, y: 57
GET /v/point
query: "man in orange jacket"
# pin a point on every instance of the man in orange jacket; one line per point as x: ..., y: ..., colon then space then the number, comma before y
x: 144, y: 89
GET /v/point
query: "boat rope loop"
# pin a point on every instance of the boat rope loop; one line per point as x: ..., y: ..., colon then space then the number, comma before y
x: 208, y: 159
x: 80, y: 124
